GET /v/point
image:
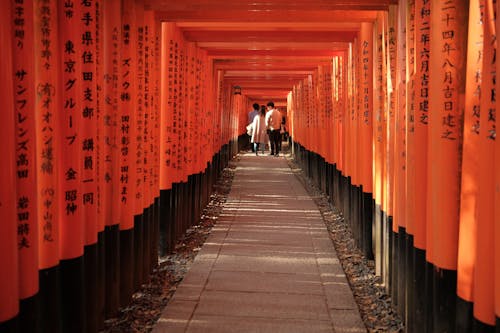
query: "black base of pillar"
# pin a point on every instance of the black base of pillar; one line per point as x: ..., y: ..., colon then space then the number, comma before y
x: 92, y: 286
x: 10, y: 326
x: 138, y: 250
x: 421, y: 302
x: 126, y: 265
x: 444, y: 299
x: 112, y: 264
x: 73, y: 293
x: 28, y: 320
x: 464, y: 320
x: 50, y: 295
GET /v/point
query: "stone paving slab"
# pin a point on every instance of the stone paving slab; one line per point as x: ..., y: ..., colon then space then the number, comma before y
x: 267, y: 266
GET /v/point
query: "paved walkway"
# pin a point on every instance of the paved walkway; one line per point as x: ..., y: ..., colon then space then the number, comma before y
x: 268, y: 265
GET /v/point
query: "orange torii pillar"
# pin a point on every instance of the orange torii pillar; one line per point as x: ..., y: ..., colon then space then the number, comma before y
x: 446, y: 103
x: 417, y: 120
x: 48, y: 108
x: 496, y: 176
x: 167, y: 140
x: 88, y: 98
x: 127, y: 144
x: 404, y: 283
x: 21, y: 15
x: 483, y: 279
x: 366, y: 130
x: 9, y: 279
x: 470, y: 169
x: 71, y: 208
x: 111, y: 151
x: 137, y: 143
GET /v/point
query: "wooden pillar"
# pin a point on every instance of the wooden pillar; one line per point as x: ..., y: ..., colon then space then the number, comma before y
x: 9, y: 280
x: 447, y: 56
x: 24, y: 101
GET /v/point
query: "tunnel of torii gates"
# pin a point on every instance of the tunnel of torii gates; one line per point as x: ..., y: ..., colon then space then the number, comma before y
x: 118, y: 116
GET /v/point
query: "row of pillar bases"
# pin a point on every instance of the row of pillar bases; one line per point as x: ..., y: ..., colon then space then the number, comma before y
x: 79, y: 294
x: 422, y: 294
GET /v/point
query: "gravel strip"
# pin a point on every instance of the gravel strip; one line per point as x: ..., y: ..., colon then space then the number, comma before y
x: 375, y: 305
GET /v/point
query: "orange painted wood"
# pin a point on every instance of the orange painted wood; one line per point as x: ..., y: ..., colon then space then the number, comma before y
x: 470, y: 159
x: 447, y: 67
x: 166, y: 106
x: 484, y: 269
x: 399, y: 191
x: 392, y: 54
x: 88, y: 129
x: 366, y: 105
x: 111, y: 37
x: 71, y: 209
x: 47, y: 110
x: 421, y: 113
x: 9, y: 279
x: 496, y: 176
x: 226, y: 15
x: 24, y: 103
x: 127, y: 121
x: 414, y: 227
x: 139, y: 111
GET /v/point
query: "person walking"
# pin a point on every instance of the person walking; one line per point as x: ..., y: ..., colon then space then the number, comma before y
x: 259, y: 134
x: 273, y: 124
x: 251, y: 116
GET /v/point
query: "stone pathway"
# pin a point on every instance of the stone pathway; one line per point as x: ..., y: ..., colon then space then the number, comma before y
x: 268, y: 265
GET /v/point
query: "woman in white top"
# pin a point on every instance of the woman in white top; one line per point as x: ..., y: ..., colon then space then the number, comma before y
x: 259, y: 130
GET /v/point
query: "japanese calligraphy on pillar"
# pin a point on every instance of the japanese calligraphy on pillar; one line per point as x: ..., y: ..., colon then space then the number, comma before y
x: 71, y: 212
x: 449, y: 56
x: 88, y: 100
x: 140, y: 113
x: 147, y: 140
x: 422, y: 67
x: 128, y: 122
x: 411, y: 65
x: 47, y: 106
x: 24, y: 101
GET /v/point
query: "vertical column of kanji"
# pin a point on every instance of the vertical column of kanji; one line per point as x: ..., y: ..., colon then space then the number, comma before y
x: 127, y: 142
x: 70, y: 205
x: 496, y: 176
x: 88, y: 142
x: 484, y: 266
x: 353, y: 100
x: 378, y: 106
x: 9, y: 257
x: 420, y: 108
x: 47, y: 109
x: 405, y: 287
x: 101, y: 150
x: 383, y: 122
x: 410, y: 126
x: 190, y: 111
x: 155, y: 90
x: 138, y: 143
x: 470, y: 168
x: 166, y: 133
x: 110, y: 148
x: 341, y: 114
x: 447, y: 54
x: 148, y: 186
x: 21, y: 16
x: 366, y: 129
x: 392, y: 53
x: 155, y: 134
x: 328, y: 96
